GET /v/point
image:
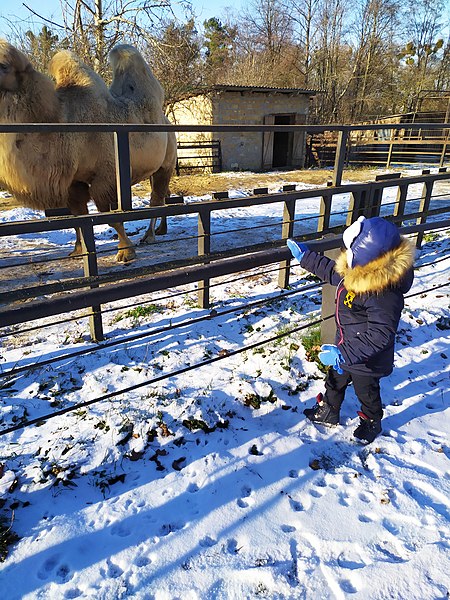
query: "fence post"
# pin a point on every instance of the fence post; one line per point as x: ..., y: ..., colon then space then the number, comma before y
x: 360, y: 204
x: 391, y: 145
x: 287, y: 231
x: 123, y: 170
x: 90, y: 268
x: 328, y: 327
x: 400, y: 203
x: 339, y: 162
x: 444, y: 149
x: 204, y: 249
x: 425, y: 199
x: 324, y: 212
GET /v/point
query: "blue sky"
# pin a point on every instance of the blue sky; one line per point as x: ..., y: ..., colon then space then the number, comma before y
x: 50, y: 9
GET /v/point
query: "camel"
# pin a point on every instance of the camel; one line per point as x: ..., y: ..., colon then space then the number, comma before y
x: 61, y: 170
x: 130, y: 71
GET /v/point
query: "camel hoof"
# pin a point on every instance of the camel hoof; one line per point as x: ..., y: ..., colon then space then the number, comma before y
x: 76, y: 252
x: 161, y: 230
x: 126, y: 255
x: 147, y: 239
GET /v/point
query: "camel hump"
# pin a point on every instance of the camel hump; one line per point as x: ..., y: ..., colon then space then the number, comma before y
x: 70, y: 71
x: 133, y: 78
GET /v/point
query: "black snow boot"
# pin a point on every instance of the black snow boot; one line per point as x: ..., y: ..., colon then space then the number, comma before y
x: 322, y: 412
x: 368, y: 429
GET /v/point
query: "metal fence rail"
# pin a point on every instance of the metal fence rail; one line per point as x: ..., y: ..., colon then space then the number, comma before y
x: 96, y: 289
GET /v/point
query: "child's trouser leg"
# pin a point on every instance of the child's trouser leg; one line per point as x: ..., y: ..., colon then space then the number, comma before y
x: 367, y: 389
x: 335, y: 386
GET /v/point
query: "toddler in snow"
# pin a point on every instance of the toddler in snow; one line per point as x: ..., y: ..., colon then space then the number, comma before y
x: 371, y: 277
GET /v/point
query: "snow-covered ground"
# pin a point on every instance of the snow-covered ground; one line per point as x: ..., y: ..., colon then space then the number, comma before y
x: 210, y: 483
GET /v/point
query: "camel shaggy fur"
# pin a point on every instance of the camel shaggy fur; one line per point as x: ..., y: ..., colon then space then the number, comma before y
x: 67, y: 170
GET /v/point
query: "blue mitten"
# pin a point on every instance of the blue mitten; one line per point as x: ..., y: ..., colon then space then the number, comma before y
x: 331, y: 355
x: 297, y: 250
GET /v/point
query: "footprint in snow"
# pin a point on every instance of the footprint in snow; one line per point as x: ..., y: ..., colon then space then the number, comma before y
x: 207, y: 542
x: 245, y: 500
x: 387, y: 552
x: 365, y: 498
x: 369, y: 517
x: 350, y: 586
x: 345, y: 499
x: 170, y: 528
x: 296, y: 505
x: 288, y: 528
x: 114, y: 570
x: 120, y: 529
x: 317, y: 492
x: 232, y: 546
x: 349, y: 559
x: 142, y: 561
x: 425, y: 495
x: 63, y: 574
x: 48, y: 566
x: 73, y: 593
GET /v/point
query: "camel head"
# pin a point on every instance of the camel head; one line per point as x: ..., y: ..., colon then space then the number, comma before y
x: 13, y: 66
x: 26, y: 95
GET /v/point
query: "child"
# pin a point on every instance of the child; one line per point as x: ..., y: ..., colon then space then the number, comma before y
x: 371, y: 276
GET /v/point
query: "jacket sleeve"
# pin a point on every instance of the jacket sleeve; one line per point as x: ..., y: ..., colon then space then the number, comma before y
x: 321, y: 266
x: 378, y: 333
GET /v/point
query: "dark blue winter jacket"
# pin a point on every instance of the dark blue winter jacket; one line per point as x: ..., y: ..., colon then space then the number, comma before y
x: 369, y: 302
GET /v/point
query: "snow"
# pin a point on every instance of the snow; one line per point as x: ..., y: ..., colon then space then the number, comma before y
x: 210, y: 483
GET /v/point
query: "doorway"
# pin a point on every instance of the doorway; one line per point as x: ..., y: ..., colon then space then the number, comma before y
x: 282, y: 142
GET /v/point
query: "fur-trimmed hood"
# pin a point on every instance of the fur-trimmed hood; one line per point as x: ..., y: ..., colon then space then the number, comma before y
x: 386, y: 271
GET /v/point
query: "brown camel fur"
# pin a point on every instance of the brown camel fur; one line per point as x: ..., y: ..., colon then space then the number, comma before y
x: 67, y: 170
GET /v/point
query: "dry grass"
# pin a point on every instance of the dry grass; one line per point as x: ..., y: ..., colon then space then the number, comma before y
x: 200, y: 184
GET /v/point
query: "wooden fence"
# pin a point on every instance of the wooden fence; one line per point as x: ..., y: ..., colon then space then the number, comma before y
x: 424, y: 211
x: 193, y: 156
x: 391, y: 147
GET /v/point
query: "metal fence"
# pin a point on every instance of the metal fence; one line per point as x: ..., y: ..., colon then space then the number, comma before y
x: 421, y: 210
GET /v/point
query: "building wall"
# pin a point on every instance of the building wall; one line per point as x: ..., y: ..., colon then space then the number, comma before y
x: 193, y: 111
x: 244, y: 150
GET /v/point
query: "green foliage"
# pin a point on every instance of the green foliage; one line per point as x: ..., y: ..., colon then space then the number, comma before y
x: 443, y: 323
x: 41, y: 47
x: 255, y: 400
x: 219, y: 40
x: 139, y: 312
x: 311, y: 342
x: 430, y: 237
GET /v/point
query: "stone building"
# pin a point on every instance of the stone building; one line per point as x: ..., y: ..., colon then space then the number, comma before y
x: 243, y: 150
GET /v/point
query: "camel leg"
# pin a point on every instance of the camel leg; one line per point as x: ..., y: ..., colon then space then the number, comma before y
x: 78, y: 201
x: 126, y: 251
x: 160, y: 189
x: 162, y: 228
x: 79, y: 196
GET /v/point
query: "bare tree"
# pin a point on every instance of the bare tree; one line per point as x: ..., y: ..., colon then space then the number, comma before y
x: 92, y: 27
x: 420, y: 54
x: 176, y: 59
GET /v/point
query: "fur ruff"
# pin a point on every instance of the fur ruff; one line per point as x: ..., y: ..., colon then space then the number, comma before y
x: 384, y: 272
